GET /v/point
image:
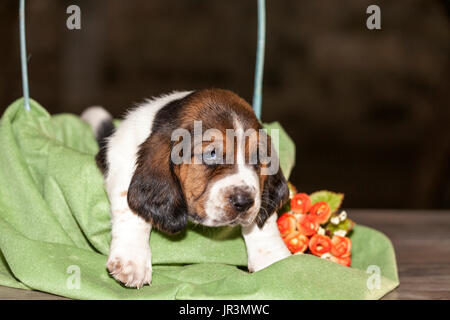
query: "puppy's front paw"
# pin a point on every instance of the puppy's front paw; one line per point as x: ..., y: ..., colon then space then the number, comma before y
x: 264, y: 257
x: 132, y: 270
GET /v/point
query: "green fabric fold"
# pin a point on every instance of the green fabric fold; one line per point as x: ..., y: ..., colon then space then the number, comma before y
x: 54, y: 218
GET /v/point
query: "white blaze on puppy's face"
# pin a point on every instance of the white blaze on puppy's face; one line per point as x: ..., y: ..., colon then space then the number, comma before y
x: 236, y: 198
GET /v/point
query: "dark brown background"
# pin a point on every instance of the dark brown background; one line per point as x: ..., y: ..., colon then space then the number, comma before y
x: 368, y: 110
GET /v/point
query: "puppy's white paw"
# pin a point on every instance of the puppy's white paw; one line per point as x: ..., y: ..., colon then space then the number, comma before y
x: 133, y: 270
x: 262, y: 258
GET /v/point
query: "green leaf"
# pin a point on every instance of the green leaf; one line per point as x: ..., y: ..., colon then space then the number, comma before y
x: 333, y: 199
x: 346, y: 225
x: 286, y: 147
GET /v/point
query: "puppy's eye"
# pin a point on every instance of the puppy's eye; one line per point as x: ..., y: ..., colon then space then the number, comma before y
x: 210, y: 157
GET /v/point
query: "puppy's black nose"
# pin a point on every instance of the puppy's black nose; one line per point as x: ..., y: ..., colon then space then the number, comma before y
x: 241, y: 201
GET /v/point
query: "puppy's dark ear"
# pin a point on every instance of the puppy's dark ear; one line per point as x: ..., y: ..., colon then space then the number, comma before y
x: 155, y: 193
x: 274, y: 195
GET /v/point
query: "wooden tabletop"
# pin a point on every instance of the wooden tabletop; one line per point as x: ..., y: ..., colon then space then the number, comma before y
x: 422, y: 246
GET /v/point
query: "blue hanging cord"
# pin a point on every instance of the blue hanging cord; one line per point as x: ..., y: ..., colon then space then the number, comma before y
x: 259, y: 70
x: 23, y: 55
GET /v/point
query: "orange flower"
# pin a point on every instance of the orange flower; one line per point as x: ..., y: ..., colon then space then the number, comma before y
x: 320, y: 212
x: 286, y: 224
x: 319, y: 245
x: 296, y: 242
x: 300, y: 203
x: 341, y: 246
x: 307, y: 226
x: 347, y: 261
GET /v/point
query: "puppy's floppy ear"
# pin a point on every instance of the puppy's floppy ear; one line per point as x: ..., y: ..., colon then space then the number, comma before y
x: 155, y: 193
x: 274, y: 195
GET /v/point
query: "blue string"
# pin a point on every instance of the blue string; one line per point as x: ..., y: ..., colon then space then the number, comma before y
x: 259, y: 69
x: 23, y: 55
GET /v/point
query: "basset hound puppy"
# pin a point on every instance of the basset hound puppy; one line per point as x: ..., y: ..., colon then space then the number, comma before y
x: 188, y: 156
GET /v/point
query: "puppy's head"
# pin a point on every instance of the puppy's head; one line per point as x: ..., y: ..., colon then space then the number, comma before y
x: 207, y: 160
